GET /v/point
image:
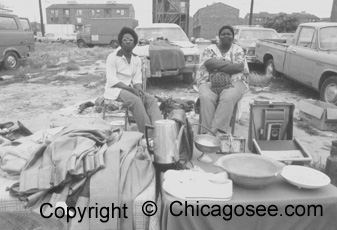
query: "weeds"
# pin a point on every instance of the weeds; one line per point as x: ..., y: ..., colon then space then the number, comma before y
x: 72, y: 67
x: 257, y: 80
x: 318, y: 165
x: 307, y: 128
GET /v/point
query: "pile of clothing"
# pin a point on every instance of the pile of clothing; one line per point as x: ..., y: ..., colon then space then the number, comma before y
x: 81, y: 166
x: 169, y: 104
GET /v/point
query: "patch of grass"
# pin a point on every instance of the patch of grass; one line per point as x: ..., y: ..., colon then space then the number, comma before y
x: 318, y: 165
x: 307, y: 128
x: 72, y: 67
x: 57, y: 105
x: 255, y: 79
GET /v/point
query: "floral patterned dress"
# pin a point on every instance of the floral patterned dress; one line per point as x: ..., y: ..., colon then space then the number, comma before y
x: 235, y: 54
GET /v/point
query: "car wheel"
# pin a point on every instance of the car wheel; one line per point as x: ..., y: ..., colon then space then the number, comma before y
x: 270, y: 68
x: 114, y: 44
x: 328, y: 92
x: 11, y: 61
x: 81, y: 44
x: 188, y: 78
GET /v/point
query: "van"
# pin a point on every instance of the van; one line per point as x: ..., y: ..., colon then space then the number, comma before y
x: 103, y: 31
x: 16, y: 40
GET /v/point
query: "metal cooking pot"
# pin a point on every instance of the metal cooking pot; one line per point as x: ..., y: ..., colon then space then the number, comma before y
x: 166, y: 141
x: 207, y: 143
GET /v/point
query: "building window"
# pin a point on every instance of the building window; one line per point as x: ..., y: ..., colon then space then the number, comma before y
x: 54, y: 19
x: 54, y: 12
x: 66, y: 12
x: 67, y: 20
x: 118, y: 11
x: 182, y: 7
x: 79, y: 20
x: 92, y: 12
x: 107, y: 13
x: 78, y: 12
x: 122, y: 12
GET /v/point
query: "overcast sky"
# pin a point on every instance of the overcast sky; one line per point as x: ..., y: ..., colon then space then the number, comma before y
x: 143, y: 8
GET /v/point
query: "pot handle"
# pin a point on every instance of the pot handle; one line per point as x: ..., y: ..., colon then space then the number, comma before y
x: 147, y: 127
x: 179, y: 137
x: 205, y: 128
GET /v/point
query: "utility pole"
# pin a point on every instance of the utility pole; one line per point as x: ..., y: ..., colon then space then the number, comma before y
x: 41, y: 18
x: 251, y: 11
x: 333, y: 17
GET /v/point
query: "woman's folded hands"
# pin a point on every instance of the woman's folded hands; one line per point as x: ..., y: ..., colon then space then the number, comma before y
x: 220, y: 65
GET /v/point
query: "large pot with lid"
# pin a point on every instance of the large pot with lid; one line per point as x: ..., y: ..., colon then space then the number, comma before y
x: 166, y: 141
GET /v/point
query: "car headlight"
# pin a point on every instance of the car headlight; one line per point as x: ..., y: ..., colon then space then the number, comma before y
x: 189, y: 58
x: 251, y: 52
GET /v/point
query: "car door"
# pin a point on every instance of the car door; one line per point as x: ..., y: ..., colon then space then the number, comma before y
x: 28, y: 34
x: 303, y: 55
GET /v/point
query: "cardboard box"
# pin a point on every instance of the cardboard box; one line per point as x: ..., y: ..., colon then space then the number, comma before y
x: 319, y: 114
x: 232, y: 144
x: 286, y: 151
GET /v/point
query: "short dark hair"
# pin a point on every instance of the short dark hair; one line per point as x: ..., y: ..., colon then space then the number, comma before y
x: 127, y: 30
x: 226, y: 27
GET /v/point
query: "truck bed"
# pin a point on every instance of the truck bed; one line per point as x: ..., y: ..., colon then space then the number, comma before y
x: 275, y: 48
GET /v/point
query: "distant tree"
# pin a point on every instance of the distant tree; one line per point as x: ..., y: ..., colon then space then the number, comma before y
x: 282, y: 23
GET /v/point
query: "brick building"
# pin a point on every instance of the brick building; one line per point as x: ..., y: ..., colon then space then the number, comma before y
x: 208, y: 20
x: 80, y: 14
x: 259, y: 18
x: 262, y: 17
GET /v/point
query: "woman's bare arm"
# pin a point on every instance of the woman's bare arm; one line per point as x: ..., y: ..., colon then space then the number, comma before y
x: 232, y: 68
x: 215, y: 64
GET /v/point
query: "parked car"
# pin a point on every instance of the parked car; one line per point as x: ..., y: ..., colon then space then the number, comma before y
x: 202, y: 41
x: 16, y: 42
x: 174, y: 34
x: 49, y: 37
x: 215, y: 40
x: 68, y: 37
x: 246, y: 37
x: 310, y: 59
x: 287, y: 35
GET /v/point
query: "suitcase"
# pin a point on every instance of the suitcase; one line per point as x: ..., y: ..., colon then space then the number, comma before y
x: 270, y: 121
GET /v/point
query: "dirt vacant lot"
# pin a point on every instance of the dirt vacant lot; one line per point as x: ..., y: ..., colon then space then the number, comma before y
x: 59, y: 77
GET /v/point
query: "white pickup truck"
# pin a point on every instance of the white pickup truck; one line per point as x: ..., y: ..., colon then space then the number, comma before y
x: 175, y: 36
x: 310, y: 58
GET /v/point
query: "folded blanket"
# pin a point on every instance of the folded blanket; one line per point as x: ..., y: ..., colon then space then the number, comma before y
x: 163, y: 56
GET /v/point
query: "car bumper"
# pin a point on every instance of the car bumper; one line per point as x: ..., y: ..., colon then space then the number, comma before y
x: 251, y: 59
x: 190, y: 68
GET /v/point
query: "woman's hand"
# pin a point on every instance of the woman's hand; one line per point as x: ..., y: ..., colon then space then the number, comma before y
x: 213, y: 64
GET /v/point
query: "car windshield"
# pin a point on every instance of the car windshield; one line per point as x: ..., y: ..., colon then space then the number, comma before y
x: 258, y: 34
x: 328, y: 38
x: 172, y: 34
